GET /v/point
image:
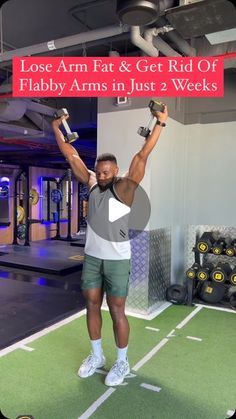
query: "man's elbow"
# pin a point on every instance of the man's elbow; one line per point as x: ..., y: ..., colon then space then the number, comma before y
x: 142, y: 156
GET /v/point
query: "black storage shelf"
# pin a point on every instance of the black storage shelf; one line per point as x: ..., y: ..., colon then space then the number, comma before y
x: 192, y: 285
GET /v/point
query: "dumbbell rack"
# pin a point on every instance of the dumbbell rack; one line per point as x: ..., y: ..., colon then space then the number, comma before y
x: 200, y: 258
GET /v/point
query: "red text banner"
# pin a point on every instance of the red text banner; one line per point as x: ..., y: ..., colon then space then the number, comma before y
x: 118, y: 76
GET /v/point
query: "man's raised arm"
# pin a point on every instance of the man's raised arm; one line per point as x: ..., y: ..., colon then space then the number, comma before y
x: 77, y: 165
x: 137, y: 167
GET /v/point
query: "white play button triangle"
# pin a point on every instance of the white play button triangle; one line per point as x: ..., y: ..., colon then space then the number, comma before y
x: 117, y: 210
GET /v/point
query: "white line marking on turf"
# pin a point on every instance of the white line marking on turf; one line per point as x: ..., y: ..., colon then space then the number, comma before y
x: 26, y: 348
x: 43, y: 332
x: 194, y: 338
x: 150, y: 387
x: 150, y: 354
x: 228, y: 310
x: 152, y: 328
x: 188, y: 318
x: 130, y: 375
x: 171, y: 334
x: 230, y: 413
x: 97, y: 403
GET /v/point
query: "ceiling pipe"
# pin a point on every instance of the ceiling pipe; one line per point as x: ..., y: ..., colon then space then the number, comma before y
x: 38, y: 107
x: 141, y: 43
x: 151, y: 36
x: 65, y: 42
x: 11, y: 110
x: 39, y: 120
x: 6, y: 127
x: 182, y: 45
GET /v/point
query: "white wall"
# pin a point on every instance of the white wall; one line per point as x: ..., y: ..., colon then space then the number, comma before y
x: 210, y: 167
x: 190, y: 176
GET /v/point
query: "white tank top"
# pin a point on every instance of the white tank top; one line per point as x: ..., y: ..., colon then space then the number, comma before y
x: 97, y: 246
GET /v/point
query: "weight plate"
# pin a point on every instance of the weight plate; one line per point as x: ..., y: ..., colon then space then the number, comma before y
x: 33, y: 196
x: 20, y: 214
x: 56, y: 195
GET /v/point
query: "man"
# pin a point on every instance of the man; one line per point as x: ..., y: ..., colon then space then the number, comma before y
x: 107, y: 262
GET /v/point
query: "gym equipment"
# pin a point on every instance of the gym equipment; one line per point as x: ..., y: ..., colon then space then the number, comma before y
x: 4, y: 191
x: 205, y: 242
x: 204, y: 272
x: 20, y: 214
x: 155, y: 106
x: 192, y: 272
x: 211, y: 292
x: 56, y: 195
x: 22, y: 228
x: 232, y: 277
x: 219, y: 246
x: 84, y: 193
x: 70, y: 136
x: 137, y: 12
x: 176, y: 294
x: 33, y: 196
x: 221, y: 272
x: 230, y: 249
x: 21, y: 231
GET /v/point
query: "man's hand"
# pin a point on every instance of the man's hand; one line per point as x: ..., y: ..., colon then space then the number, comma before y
x: 57, y: 122
x: 161, y: 116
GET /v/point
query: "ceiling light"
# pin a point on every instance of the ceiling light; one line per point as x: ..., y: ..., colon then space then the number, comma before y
x: 137, y: 12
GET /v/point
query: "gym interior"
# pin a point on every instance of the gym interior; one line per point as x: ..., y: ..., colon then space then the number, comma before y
x: 182, y: 294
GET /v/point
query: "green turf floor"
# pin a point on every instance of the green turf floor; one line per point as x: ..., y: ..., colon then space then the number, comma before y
x: 197, y: 378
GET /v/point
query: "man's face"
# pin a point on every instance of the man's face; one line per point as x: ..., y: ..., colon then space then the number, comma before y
x: 106, y: 171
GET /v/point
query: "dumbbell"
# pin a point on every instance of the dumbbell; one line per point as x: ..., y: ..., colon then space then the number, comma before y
x: 192, y: 271
x: 154, y: 106
x: 221, y: 272
x: 203, y: 272
x: 70, y: 136
x: 205, y: 243
x: 232, y: 277
x: 230, y: 249
x: 219, y: 246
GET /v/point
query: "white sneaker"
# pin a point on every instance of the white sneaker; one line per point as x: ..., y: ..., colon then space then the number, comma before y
x: 90, y: 364
x: 117, y: 373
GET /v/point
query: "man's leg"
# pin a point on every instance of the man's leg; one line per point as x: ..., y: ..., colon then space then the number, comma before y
x: 94, y: 324
x: 120, y: 322
x: 94, y: 299
x: 116, y: 281
x: 121, y: 332
x: 92, y: 285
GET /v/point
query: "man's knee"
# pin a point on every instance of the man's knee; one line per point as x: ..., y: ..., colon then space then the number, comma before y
x: 116, y: 307
x: 93, y: 299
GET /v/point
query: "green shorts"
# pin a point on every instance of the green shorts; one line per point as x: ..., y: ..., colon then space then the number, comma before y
x: 111, y: 275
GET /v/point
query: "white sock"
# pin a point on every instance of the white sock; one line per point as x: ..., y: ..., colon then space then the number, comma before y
x: 97, y: 347
x: 122, y: 354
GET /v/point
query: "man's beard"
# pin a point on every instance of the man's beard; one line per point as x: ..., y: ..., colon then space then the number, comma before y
x: 106, y: 186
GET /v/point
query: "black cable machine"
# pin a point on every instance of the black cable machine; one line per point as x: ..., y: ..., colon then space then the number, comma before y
x: 57, y: 216
x: 22, y: 176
